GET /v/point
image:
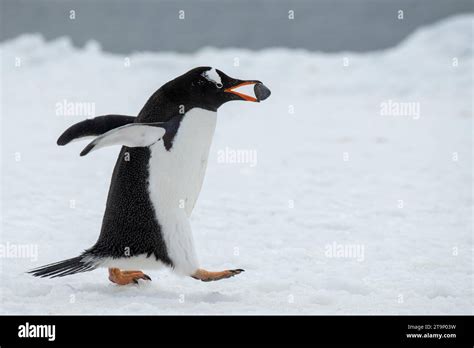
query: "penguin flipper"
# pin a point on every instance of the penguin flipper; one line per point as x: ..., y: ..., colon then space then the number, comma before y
x: 131, y: 135
x: 94, y: 126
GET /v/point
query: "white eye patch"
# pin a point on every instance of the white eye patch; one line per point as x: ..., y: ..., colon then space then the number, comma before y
x: 213, y: 76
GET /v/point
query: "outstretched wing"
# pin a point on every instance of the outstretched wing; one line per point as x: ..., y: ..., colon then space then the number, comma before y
x: 93, y: 127
x: 131, y: 135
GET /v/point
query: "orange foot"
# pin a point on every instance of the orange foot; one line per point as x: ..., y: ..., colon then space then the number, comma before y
x: 206, y: 276
x: 126, y: 277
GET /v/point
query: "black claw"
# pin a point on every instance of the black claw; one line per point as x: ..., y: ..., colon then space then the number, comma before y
x: 147, y: 277
x: 135, y: 281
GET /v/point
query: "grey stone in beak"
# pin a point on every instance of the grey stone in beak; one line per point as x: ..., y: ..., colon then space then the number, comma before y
x: 261, y: 91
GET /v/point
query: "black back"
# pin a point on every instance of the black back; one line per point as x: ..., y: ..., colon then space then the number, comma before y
x: 129, y: 226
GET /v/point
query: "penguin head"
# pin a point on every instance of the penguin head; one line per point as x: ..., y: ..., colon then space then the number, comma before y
x: 209, y: 88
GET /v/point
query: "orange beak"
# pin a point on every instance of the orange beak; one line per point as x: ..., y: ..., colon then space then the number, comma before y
x: 240, y: 93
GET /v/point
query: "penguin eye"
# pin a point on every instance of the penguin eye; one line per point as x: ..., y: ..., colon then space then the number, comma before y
x: 219, y: 85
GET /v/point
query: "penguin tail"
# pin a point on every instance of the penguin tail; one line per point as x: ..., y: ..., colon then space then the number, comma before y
x: 66, y: 267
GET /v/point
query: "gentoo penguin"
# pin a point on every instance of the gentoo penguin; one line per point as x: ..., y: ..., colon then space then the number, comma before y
x: 157, y: 178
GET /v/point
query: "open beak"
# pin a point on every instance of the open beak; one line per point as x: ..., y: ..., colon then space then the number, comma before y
x: 253, y: 91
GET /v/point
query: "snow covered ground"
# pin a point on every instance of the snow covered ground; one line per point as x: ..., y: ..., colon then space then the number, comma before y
x: 355, y: 195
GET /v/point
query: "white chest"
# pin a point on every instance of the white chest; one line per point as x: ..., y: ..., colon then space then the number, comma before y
x: 176, y: 176
x: 175, y: 181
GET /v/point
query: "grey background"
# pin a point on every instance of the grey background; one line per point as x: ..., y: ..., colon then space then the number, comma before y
x: 125, y: 26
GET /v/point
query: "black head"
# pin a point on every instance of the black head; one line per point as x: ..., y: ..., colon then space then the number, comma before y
x: 209, y: 88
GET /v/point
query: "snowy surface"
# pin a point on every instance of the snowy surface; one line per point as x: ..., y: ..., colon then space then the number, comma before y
x: 331, y: 169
